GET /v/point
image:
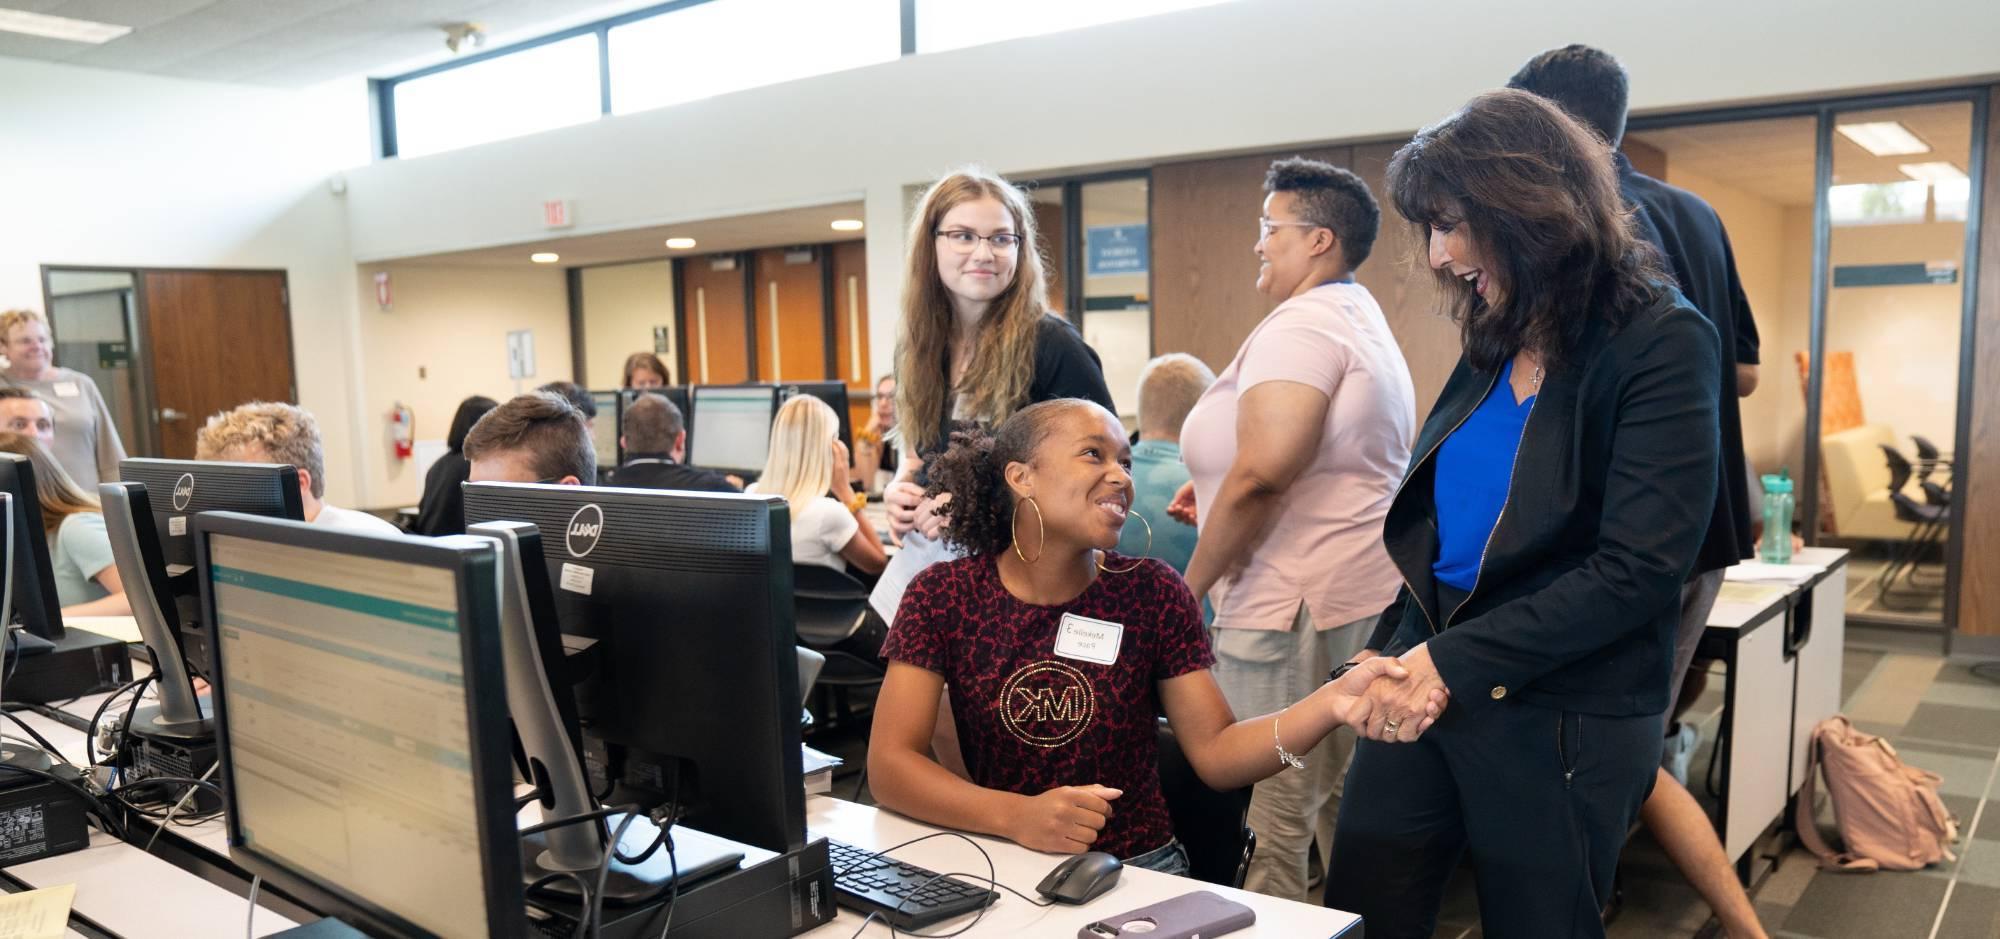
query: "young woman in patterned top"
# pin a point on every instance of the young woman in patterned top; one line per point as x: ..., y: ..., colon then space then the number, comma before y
x: 1059, y: 653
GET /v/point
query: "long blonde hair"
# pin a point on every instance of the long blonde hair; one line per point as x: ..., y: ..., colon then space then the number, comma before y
x: 800, y: 464
x: 995, y: 384
x: 58, y: 493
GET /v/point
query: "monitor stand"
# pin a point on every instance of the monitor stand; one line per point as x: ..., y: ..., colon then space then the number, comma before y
x: 695, y: 856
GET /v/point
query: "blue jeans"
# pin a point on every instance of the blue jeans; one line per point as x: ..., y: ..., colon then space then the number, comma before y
x: 1169, y: 858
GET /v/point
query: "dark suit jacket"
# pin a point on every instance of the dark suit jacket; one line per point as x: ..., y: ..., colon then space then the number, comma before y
x: 441, y: 511
x: 655, y: 472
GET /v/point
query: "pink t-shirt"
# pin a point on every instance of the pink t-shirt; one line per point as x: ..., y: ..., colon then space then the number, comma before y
x: 1324, y: 546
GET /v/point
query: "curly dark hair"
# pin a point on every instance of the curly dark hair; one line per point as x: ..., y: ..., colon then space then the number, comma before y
x: 974, y: 471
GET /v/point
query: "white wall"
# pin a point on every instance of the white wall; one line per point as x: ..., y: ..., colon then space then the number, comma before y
x: 1193, y: 82
x: 110, y: 168
x: 621, y: 305
x: 443, y: 340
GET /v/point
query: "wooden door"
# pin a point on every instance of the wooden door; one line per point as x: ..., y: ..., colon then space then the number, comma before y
x: 850, y: 325
x: 714, y: 326
x: 790, y: 297
x: 217, y: 339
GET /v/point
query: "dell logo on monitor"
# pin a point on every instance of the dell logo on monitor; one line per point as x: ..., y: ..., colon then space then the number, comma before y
x: 183, y: 491
x: 584, y: 528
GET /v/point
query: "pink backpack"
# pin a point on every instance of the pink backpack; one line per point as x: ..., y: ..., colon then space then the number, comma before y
x: 1889, y: 812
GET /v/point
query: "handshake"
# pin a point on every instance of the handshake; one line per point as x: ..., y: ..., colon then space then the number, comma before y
x: 1393, y: 700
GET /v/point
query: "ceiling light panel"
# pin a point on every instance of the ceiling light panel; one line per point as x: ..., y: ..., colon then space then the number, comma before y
x: 1884, y: 138
x: 60, y: 27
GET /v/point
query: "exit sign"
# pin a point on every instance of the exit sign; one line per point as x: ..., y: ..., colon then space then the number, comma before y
x: 556, y: 214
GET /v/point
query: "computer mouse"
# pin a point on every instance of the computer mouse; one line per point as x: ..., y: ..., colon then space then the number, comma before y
x: 1082, y: 878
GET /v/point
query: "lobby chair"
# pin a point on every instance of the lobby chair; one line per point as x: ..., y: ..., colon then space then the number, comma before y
x: 1213, y: 826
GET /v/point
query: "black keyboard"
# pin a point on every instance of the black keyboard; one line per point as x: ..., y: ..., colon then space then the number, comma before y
x: 903, y: 895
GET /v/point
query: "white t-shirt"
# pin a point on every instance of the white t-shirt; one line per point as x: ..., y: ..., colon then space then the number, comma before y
x: 351, y: 520
x: 820, y: 529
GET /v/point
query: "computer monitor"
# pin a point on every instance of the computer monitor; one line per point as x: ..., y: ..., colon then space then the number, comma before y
x: 694, y: 697
x: 834, y: 393
x: 35, y: 601
x: 604, y: 429
x: 365, y: 763
x: 731, y: 428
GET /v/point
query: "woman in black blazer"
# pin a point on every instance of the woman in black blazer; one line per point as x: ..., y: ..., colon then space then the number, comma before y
x: 1560, y: 493
x: 442, y: 510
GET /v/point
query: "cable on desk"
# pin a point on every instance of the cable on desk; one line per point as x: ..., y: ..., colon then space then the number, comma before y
x: 561, y: 822
x: 593, y: 910
x: 104, y: 705
x: 40, y: 740
x: 191, y: 789
x: 256, y: 883
x: 991, y: 879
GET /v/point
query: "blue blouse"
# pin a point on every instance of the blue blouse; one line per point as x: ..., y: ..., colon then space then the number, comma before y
x: 1475, y: 465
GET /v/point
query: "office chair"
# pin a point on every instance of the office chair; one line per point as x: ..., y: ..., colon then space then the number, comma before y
x: 1929, y: 458
x: 827, y: 606
x: 1213, y: 826
x: 1928, y: 523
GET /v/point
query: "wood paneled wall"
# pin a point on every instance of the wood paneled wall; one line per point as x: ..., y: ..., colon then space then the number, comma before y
x: 790, y: 318
x: 714, y: 323
x: 1977, y: 475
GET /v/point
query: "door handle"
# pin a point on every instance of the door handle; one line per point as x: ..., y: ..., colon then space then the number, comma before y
x: 169, y: 414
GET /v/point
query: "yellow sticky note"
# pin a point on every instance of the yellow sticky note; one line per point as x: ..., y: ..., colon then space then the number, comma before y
x: 36, y: 914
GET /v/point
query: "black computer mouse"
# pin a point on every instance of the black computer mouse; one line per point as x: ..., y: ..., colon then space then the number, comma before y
x: 1082, y: 878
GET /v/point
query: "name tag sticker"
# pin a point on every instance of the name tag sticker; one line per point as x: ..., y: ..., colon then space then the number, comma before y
x: 1088, y: 640
x: 576, y: 578
x: 177, y: 526
x: 67, y: 389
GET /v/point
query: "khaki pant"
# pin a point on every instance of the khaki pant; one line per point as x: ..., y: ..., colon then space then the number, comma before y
x: 1265, y: 670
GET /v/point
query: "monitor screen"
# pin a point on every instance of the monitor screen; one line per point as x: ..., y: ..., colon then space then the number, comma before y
x: 345, y: 720
x: 732, y: 427
x: 604, y: 429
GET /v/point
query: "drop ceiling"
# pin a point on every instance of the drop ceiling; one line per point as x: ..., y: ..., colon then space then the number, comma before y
x: 1774, y: 158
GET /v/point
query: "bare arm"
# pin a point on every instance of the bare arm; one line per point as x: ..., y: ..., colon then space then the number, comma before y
x: 864, y: 550
x: 113, y: 604
x: 1746, y: 380
x: 1279, y: 425
x: 1230, y: 754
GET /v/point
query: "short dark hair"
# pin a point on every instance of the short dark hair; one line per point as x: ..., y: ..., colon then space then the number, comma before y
x: 1585, y: 81
x: 577, y: 397
x: 650, y: 424
x: 469, y: 412
x: 545, y: 425
x: 16, y: 391
x: 1331, y: 198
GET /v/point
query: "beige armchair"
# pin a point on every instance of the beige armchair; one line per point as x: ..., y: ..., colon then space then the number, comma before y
x: 1857, y: 479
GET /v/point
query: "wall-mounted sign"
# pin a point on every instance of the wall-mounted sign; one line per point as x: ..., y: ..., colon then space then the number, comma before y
x: 556, y: 214
x: 112, y: 355
x: 1116, y: 249
x: 521, y: 353
x: 1895, y: 275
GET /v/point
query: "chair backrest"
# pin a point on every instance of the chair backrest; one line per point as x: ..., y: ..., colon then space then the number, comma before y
x: 1853, y: 467
x: 810, y: 663
x: 1926, y: 450
x: 826, y: 603
x: 1211, y: 825
x: 1936, y: 495
x: 1899, y: 467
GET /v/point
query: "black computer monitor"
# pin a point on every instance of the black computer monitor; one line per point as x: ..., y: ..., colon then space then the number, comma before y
x: 35, y: 601
x: 730, y: 431
x: 365, y: 757
x: 694, y: 699
x: 834, y: 393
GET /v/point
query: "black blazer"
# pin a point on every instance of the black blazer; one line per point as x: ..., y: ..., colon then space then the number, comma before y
x: 1577, y: 598
x: 1065, y: 367
x: 656, y: 472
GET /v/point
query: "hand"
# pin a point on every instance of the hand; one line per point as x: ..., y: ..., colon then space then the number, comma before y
x: 1182, y: 508
x: 1351, y: 704
x: 1412, y: 704
x: 929, y: 519
x: 1065, y: 820
x: 902, y: 499
x: 840, y: 472
x: 734, y: 480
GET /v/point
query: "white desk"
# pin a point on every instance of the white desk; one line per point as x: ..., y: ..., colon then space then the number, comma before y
x: 1021, y: 869
x: 1783, y: 645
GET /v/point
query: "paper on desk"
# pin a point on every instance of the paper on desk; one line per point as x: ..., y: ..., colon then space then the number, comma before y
x: 1758, y: 572
x: 36, y: 914
x: 917, y: 553
x: 121, y: 628
x: 1736, y: 602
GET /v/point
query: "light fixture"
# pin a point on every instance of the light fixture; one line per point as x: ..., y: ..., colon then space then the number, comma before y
x: 462, y: 36
x: 60, y: 27
x: 545, y: 257
x: 680, y: 244
x: 1884, y: 138
x: 847, y: 224
x: 1939, y: 172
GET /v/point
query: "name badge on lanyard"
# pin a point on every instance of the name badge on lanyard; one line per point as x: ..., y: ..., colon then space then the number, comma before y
x: 1089, y: 640
x: 67, y: 389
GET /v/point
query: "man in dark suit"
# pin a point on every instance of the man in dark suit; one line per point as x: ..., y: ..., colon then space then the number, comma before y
x: 1592, y: 87
x: 654, y: 439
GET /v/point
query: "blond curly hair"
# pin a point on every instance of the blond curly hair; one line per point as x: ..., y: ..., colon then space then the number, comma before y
x: 266, y: 432
x: 13, y: 318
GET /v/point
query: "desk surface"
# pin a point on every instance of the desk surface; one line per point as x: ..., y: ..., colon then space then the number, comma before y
x: 1021, y: 869
x: 1744, y: 606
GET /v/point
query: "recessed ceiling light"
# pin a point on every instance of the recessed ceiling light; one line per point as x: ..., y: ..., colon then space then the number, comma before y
x: 1939, y: 172
x: 545, y: 257
x: 1884, y: 138
x: 60, y: 27
x: 680, y: 244
x: 847, y: 224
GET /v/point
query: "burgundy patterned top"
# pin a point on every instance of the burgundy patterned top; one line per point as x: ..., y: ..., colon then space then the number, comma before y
x: 1029, y: 719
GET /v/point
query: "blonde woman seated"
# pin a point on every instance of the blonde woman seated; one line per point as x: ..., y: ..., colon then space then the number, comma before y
x: 808, y: 466
x: 86, y: 579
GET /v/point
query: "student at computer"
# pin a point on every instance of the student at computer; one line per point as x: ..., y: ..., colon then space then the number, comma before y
x: 87, y: 442
x: 874, y: 447
x: 586, y: 409
x: 24, y: 412
x: 275, y: 432
x: 86, y: 578
x: 534, y: 438
x: 807, y: 462
x: 442, y: 509
x: 655, y: 442
x: 1058, y: 653
x: 644, y: 370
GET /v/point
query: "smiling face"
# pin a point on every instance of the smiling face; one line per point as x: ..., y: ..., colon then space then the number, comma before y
x: 976, y: 274
x: 1081, y: 478
x: 1453, y: 250
x: 27, y: 346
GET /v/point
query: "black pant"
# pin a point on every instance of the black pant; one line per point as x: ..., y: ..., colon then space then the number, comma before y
x: 1542, y: 798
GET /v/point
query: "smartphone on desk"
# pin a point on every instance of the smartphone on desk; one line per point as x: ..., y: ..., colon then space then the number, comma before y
x: 1197, y: 915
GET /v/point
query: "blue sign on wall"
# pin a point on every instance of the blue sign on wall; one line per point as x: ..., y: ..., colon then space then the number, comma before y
x: 1117, y: 249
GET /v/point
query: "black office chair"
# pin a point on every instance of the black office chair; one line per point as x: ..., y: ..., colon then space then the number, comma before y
x: 1929, y: 458
x: 827, y: 605
x: 1213, y: 826
x: 1928, y: 523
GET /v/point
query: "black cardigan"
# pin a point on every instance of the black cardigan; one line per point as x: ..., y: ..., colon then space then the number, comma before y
x: 1578, y: 594
x: 1065, y: 367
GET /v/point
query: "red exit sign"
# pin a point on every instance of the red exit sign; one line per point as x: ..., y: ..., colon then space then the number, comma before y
x: 556, y: 214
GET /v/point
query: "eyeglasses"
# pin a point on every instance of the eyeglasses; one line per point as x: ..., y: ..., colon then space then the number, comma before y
x: 966, y: 242
x: 1264, y: 226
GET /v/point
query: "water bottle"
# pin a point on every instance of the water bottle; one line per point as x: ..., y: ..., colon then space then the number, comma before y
x: 1776, y: 548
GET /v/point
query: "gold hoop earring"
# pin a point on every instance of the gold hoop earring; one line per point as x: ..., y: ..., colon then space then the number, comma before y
x: 1142, y: 558
x: 1039, y: 527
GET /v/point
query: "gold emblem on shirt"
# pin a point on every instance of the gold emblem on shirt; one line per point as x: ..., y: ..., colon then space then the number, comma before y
x: 1047, y: 704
